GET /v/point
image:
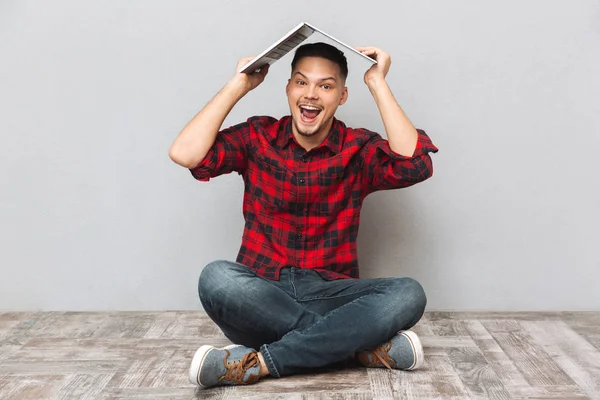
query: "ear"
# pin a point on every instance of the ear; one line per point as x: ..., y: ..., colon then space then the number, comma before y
x: 344, y: 95
x: 287, y: 87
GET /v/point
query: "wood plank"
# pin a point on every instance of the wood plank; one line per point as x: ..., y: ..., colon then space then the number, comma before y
x: 160, y: 325
x: 504, y: 367
x: 7, y: 349
x: 444, y: 379
x: 446, y: 342
x: 381, y: 384
x: 55, y: 367
x: 337, y: 396
x: 83, y: 387
x: 326, y: 381
x: 586, y: 325
x: 450, y: 327
x: 77, y: 325
x: 537, y: 367
x: 220, y: 393
x: 125, y: 325
x: 154, y: 369
x: 47, y: 349
x: 571, y: 352
x: 478, y: 376
x: 547, y: 392
x: 32, y: 325
x: 30, y: 387
x: 495, y: 315
x: 193, y: 325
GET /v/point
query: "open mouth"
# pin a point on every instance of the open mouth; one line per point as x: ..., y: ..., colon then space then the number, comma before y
x: 309, y: 113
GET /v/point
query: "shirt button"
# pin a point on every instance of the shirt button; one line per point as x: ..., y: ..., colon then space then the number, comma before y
x: 302, y: 181
x: 298, y: 236
x: 303, y: 159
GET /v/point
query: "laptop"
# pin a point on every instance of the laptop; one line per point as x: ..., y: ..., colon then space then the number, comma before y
x: 288, y: 43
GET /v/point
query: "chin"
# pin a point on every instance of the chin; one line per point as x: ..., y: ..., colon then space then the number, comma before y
x: 307, y: 131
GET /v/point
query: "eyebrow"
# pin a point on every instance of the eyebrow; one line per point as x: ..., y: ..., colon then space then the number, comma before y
x: 324, y: 79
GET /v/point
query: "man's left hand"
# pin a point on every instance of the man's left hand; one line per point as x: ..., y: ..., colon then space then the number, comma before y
x: 379, y: 70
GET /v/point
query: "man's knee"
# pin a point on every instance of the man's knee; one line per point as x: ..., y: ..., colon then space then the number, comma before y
x: 416, y: 294
x: 215, y: 279
x: 409, y: 293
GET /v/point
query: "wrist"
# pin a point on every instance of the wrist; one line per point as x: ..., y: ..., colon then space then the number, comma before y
x: 238, y: 86
x: 374, y: 83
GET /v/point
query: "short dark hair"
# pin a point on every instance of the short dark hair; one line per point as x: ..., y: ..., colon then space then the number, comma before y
x: 322, y: 50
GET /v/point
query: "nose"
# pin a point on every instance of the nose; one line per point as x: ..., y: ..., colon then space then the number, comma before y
x: 311, y: 92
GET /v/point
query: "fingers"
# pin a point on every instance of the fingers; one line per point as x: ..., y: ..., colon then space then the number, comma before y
x: 375, y: 53
x: 372, y: 52
x: 244, y: 61
x: 368, y: 50
x: 264, y: 70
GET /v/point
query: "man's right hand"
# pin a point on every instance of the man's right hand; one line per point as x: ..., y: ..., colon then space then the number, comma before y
x: 198, y: 136
x: 249, y: 80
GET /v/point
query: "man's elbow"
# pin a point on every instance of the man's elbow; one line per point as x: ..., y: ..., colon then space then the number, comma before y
x: 182, y: 159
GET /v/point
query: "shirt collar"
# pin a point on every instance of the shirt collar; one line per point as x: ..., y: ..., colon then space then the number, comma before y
x: 333, y: 141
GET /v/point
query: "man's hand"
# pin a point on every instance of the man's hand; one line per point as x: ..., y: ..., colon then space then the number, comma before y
x: 378, y: 71
x: 402, y: 135
x: 249, y: 81
x: 199, y: 135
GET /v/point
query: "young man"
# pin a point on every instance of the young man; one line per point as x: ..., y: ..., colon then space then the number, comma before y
x: 293, y: 300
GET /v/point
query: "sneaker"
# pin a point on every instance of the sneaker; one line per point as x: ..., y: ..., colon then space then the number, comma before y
x: 403, y: 351
x: 231, y: 365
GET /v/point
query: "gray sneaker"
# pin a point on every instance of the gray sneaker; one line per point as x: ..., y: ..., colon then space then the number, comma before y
x: 403, y: 351
x: 231, y: 365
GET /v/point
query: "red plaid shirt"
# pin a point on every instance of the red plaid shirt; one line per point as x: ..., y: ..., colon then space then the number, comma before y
x: 302, y: 208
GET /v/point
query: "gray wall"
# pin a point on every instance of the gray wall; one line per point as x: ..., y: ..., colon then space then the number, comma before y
x: 94, y: 215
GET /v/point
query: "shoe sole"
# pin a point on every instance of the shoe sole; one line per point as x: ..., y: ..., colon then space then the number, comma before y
x: 198, y: 361
x: 417, y: 349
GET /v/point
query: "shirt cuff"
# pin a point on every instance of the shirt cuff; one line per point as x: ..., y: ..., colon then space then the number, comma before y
x: 424, y: 146
x: 202, y: 171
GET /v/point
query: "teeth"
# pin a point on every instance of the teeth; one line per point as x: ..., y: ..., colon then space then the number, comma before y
x: 310, y: 108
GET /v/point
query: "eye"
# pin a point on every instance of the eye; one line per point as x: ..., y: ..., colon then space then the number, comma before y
x: 301, y: 83
x: 326, y: 87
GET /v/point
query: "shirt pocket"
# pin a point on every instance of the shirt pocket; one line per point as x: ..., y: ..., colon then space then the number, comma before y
x: 334, y: 190
x: 267, y: 182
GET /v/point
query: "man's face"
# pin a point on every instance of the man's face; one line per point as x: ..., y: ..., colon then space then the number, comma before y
x: 314, y: 92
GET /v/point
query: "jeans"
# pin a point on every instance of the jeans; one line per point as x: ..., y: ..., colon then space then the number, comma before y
x: 303, y: 321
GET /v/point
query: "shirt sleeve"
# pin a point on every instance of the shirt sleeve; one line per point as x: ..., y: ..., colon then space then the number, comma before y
x: 227, y: 154
x: 386, y: 169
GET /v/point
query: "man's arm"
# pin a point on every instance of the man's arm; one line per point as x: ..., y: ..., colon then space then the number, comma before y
x: 403, y: 159
x: 197, y: 137
x: 402, y: 135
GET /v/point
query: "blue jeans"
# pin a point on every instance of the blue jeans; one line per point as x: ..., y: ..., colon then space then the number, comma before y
x: 303, y: 321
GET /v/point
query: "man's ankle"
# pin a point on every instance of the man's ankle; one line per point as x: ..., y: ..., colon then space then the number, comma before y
x: 264, y: 371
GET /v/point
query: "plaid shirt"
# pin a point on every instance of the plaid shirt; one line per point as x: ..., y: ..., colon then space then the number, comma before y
x: 302, y: 208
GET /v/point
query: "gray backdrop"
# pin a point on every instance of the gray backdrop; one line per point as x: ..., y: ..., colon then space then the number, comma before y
x: 95, y: 216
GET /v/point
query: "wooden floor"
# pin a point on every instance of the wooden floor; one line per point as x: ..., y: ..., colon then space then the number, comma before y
x: 146, y: 356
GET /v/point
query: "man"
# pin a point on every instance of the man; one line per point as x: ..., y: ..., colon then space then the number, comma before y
x: 293, y: 300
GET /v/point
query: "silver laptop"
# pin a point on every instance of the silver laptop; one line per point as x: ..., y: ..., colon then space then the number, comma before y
x: 288, y: 43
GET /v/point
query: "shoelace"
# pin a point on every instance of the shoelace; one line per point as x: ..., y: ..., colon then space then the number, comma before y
x: 381, y: 353
x: 237, y: 369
